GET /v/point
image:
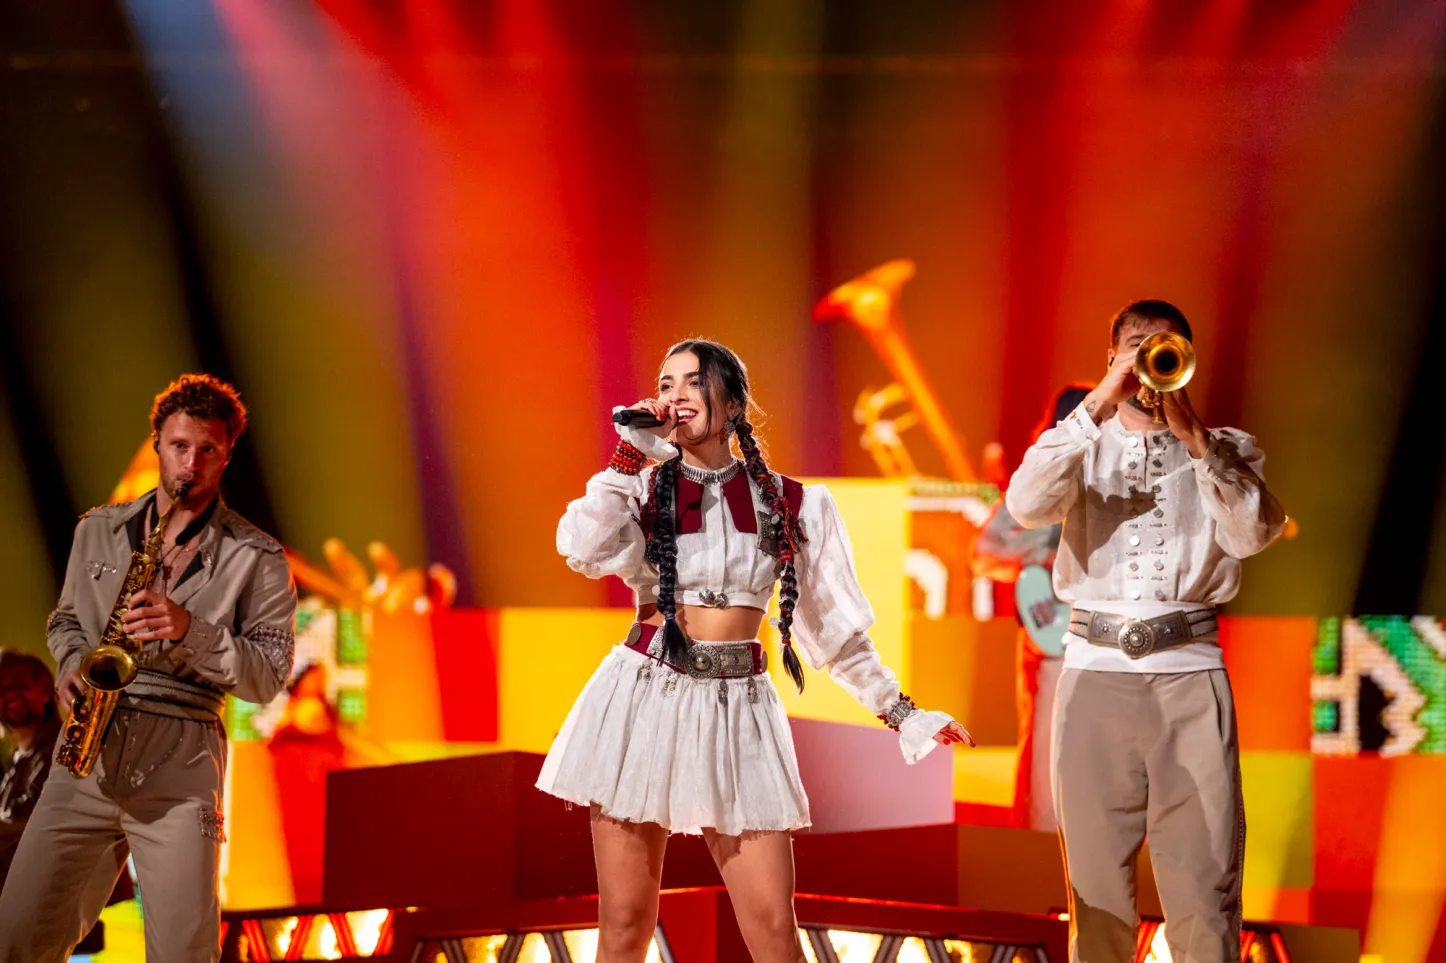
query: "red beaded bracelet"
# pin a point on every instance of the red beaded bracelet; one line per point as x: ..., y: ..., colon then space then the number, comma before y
x: 626, y: 459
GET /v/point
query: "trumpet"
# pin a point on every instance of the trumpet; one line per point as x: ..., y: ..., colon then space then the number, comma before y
x: 1164, y: 362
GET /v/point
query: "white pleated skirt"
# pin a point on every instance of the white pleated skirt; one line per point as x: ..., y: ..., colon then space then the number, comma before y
x: 650, y: 745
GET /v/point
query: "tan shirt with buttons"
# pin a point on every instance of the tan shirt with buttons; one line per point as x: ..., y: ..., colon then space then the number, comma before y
x: 240, y: 596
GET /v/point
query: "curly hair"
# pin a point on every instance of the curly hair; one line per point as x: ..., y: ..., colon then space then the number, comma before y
x: 721, y: 370
x: 203, y: 397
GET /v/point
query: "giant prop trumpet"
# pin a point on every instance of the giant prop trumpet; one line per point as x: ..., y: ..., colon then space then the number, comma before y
x: 1164, y: 362
x: 871, y: 302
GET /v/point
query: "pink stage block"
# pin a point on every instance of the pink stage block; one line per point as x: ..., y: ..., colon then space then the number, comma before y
x: 856, y: 778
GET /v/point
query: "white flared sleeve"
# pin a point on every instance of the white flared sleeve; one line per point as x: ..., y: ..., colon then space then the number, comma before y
x: 832, y: 620
x: 1232, y: 486
x: 1050, y: 478
x: 599, y: 534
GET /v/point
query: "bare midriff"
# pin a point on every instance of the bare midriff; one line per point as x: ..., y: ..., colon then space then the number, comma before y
x: 702, y: 623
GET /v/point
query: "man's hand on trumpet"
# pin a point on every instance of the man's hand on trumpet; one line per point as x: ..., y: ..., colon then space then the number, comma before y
x: 1184, y: 423
x: 1118, y: 385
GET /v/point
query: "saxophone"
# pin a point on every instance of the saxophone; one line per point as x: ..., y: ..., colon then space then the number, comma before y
x: 111, y: 666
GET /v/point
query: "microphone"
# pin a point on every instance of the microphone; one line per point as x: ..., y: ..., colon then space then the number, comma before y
x: 636, y: 418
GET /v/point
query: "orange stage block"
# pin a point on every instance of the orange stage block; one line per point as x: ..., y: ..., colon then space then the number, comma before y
x: 1269, y: 659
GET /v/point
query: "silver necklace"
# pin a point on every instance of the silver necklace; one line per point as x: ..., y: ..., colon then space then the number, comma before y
x: 704, y: 476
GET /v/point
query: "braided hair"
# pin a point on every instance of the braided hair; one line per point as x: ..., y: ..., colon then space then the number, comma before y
x: 787, y: 537
x: 662, y: 551
x: 720, y: 368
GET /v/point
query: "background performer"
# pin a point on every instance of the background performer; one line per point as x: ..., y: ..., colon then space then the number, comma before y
x: 1004, y: 550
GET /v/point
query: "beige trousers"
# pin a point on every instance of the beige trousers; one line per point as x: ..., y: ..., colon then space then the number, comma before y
x: 155, y: 794
x: 1137, y: 755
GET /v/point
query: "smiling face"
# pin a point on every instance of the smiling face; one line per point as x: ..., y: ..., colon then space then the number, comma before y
x: 698, y: 401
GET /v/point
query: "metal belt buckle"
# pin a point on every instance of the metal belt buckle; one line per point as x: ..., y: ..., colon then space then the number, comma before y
x: 1137, y: 638
x: 712, y: 599
x: 703, y: 663
x: 720, y: 661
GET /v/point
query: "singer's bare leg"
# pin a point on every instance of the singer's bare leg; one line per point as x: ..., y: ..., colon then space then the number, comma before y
x: 629, y: 873
x: 757, y: 868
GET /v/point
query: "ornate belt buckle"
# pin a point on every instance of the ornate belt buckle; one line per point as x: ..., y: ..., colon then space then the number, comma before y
x: 720, y: 662
x: 703, y: 663
x: 1137, y: 638
x: 737, y: 660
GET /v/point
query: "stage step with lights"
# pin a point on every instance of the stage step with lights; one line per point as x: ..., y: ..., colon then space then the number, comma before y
x: 493, y: 870
x: 697, y: 926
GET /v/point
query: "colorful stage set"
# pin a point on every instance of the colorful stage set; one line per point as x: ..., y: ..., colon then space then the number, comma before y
x: 460, y: 703
x: 1334, y: 838
x: 384, y: 808
x: 434, y: 241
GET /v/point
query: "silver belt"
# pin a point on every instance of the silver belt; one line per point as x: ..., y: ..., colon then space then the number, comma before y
x: 727, y: 660
x: 705, y: 660
x: 163, y: 694
x: 1137, y: 638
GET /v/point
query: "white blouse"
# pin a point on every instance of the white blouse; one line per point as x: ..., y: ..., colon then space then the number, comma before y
x: 600, y: 535
x: 1147, y: 528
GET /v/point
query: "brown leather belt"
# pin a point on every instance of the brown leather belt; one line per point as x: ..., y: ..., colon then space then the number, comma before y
x: 1137, y: 638
x: 706, y: 660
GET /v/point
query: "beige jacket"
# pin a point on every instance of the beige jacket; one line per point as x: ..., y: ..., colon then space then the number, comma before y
x: 241, y: 599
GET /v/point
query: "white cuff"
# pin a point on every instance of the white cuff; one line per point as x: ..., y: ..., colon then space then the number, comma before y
x: 1081, y: 427
x: 916, y: 733
x: 645, y: 441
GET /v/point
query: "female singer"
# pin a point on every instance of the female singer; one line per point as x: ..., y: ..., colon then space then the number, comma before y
x: 680, y: 729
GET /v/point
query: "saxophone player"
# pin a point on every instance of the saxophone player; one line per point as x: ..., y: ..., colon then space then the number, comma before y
x: 215, y: 619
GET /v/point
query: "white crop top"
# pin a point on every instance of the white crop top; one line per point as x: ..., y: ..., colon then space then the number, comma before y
x: 721, y: 563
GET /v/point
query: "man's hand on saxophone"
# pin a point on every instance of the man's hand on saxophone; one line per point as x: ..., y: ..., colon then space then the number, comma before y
x: 154, y: 616
x: 68, y: 689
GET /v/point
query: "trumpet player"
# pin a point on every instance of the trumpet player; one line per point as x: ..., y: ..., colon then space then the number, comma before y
x: 216, y: 619
x: 1157, y: 516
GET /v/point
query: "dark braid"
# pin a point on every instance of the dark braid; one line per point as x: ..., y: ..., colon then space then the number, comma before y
x: 662, y: 551
x: 788, y: 535
x: 722, y: 375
